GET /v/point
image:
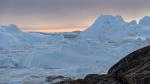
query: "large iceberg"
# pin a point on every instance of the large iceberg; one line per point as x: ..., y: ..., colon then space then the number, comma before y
x: 12, y: 36
x: 114, y: 28
x: 145, y: 21
x: 107, y: 27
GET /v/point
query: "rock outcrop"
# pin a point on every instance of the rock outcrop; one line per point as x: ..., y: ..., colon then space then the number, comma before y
x: 133, y: 69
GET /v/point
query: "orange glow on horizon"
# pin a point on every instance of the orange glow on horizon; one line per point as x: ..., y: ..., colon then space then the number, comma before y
x: 53, y: 30
x: 62, y: 25
x: 46, y: 25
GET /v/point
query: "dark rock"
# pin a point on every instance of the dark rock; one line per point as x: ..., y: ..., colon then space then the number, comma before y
x: 92, y: 79
x: 100, y: 79
x: 55, y: 79
x: 134, y: 68
x: 78, y: 81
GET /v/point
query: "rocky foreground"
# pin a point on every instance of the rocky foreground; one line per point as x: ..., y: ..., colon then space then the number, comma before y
x: 133, y: 69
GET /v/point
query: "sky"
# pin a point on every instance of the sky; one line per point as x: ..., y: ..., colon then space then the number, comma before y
x: 67, y: 15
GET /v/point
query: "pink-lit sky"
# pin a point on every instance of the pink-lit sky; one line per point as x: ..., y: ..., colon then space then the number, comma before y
x: 67, y: 15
